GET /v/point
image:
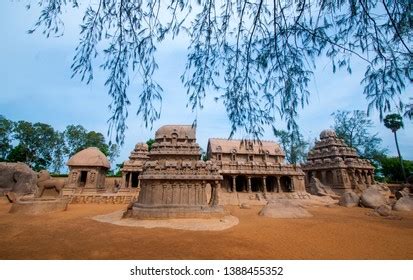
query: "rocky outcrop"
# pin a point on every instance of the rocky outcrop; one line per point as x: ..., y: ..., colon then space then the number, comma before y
x: 318, y: 188
x: 283, y: 208
x: 403, y: 204
x: 18, y: 178
x: 349, y: 199
x: 402, y: 193
x: 373, y: 198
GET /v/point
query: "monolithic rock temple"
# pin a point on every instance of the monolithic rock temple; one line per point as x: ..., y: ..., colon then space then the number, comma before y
x: 171, y: 180
x: 88, y: 169
x: 174, y: 182
x: 248, y: 166
x: 337, y: 165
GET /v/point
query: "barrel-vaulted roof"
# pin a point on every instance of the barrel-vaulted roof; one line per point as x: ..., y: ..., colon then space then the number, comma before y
x: 91, y: 156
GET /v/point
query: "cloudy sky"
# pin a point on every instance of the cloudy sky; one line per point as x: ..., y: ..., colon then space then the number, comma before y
x: 36, y: 86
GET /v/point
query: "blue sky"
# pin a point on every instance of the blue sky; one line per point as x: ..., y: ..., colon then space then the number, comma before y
x: 36, y: 86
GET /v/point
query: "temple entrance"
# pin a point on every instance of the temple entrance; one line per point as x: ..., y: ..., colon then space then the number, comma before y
x: 271, y: 184
x: 286, y: 185
x: 241, y: 183
x: 135, y: 180
x: 227, y: 183
x: 256, y: 184
x: 83, y: 178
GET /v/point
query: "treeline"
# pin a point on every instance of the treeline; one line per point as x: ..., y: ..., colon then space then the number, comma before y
x: 42, y: 147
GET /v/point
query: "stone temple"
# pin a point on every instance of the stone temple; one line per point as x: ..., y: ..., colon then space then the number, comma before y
x: 252, y: 166
x: 338, y: 166
x: 174, y: 182
x: 133, y: 167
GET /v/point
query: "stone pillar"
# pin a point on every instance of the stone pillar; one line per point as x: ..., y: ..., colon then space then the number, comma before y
x: 278, y: 185
x: 335, y: 177
x: 123, y: 184
x: 264, y: 184
x: 249, y: 184
x: 234, y: 183
x: 130, y: 180
x: 323, y: 177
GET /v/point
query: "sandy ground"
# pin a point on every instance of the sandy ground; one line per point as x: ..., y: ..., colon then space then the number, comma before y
x: 333, y: 233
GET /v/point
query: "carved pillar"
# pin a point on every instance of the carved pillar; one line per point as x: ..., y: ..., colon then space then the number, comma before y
x: 130, y: 180
x: 278, y: 184
x: 249, y: 184
x: 123, y: 184
x: 323, y: 177
x: 335, y: 177
x: 234, y: 183
x: 264, y: 184
x: 292, y: 188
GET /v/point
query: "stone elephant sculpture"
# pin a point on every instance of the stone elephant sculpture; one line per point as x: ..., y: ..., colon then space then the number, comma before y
x: 18, y: 178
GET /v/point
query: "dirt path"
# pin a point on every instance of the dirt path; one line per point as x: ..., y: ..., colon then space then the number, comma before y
x: 333, y: 233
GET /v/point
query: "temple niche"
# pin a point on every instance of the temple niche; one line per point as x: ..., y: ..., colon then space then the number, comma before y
x: 133, y: 167
x: 174, y: 182
x: 336, y: 165
x: 87, y: 169
x: 254, y: 166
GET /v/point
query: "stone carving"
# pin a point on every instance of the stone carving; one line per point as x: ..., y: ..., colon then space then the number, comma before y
x: 18, y: 178
x: 88, y: 169
x: 45, y: 181
x: 337, y: 165
x: 254, y: 167
x: 349, y: 199
x: 173, y: 182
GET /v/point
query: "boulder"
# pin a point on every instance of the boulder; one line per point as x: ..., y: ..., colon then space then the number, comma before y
x: 383, y: 189
x: 18, y: 178
x: 349, y: 199
x: 284, y: 208
x: 405, y: 192
x: 404, y: 204
x: 383, y: 210
x: 372, y: 198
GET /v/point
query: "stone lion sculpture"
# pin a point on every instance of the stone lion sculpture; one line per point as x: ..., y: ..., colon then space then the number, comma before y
x: 17, y: 177
x: 45, y: 181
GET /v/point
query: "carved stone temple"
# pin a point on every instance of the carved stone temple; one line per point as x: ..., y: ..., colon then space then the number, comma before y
x: 252, y: 166
x: 174, y: 182
x: 337, y: 165
x: 88, y: 169
x: 133, y: 167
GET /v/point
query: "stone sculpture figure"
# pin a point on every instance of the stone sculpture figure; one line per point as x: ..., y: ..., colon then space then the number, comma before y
x: 18, y: 178
x: 45, y: 181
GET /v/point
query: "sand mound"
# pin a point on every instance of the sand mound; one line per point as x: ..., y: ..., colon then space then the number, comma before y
x: 184, y: 224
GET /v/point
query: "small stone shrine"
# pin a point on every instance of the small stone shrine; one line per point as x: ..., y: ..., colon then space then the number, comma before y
x: 88, y: 169
x: 133, y: 167
x: 338, y: 166
x: 254, y: 166
x: 174, y: 182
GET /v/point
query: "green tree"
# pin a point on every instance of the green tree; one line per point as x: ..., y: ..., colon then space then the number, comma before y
x: 354, y: 128
x: 293, y: 144
x: 6, y: 131
x: 150, y: 142
x: 78, y: 138
x: 394, y: 122
x: 38, y: 145
x: 391, y: 171
x: 257, y: 56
